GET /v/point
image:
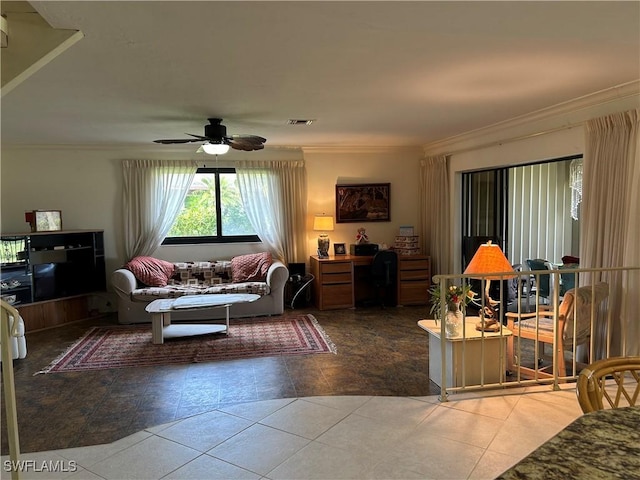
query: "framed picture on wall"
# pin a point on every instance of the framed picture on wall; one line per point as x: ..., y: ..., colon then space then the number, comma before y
x: 367, y: 202
x: 339, y: 249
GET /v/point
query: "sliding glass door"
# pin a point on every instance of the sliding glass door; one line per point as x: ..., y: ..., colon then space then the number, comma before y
x: 485, y: 210
x: 527, y: 210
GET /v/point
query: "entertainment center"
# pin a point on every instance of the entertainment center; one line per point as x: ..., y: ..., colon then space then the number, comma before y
x: 48, y: 276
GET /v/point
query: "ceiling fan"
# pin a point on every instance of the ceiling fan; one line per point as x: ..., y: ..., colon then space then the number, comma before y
x: 217, y: 142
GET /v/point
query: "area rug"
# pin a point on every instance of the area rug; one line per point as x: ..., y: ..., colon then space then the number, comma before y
x: 130, y: 346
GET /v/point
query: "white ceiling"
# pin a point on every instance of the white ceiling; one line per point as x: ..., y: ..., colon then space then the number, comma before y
x: 370, y: 73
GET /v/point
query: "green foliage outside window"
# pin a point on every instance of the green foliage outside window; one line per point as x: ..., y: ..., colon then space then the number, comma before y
x: 199, y: 216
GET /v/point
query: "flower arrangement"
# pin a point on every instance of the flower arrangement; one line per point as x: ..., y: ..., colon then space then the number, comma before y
x: 455, y: 297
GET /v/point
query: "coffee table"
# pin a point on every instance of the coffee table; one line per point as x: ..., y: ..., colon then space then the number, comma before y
x: 161, y: 309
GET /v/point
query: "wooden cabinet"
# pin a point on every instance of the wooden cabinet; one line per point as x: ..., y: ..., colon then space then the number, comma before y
x: 53, y: 273
x: 414, y: 279
x: 333, y: 284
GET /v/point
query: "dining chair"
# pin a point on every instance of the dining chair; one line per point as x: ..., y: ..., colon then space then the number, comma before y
x: 574, y: 321
x: 542, y: 280
x: 615, y: 380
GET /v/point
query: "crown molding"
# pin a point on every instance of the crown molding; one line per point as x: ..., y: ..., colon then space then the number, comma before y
x: 468, y: 139
x: 359, y: 149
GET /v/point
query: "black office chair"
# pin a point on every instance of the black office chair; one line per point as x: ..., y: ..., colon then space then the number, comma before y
x: 384, y: 275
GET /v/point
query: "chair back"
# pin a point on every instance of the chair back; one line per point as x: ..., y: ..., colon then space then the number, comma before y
x: 615, y: 380
x: 384, y: 268
x: 576, y: 307
x: 543, y: 282
x: 568, y: 279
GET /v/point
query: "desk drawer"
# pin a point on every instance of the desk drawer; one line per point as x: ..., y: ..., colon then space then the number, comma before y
x: 414, y: 293
x: 328, y: 279
x: 422, y: 264
x: 343, y: 267
x: 337, y: 296
x: 414, y: 275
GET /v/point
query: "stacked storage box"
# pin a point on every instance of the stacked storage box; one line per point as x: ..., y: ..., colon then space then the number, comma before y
x: 407, y: 245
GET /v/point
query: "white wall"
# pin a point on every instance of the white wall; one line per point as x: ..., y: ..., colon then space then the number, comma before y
x: 86, y: 184
x: 328, y: 167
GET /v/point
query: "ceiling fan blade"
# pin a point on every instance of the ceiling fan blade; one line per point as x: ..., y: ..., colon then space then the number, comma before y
x: 179, y: 140
x: 246, y: 146
x: 203, y: 139
x: 248, y: 138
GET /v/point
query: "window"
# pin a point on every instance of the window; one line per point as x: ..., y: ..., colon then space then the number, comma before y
x: 212, y: 212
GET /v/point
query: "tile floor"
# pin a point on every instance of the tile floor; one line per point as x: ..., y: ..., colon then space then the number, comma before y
x: 368, y: 412
x: 473, y: 435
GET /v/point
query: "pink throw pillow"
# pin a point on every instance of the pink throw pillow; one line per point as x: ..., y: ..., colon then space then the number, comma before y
x: 250, y: 268
x: 151, y: 271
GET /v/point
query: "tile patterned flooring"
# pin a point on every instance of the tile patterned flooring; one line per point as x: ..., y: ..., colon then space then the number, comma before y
x: 368, y: 412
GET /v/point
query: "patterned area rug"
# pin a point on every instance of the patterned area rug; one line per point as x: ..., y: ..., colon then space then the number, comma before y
x: 130, y: 346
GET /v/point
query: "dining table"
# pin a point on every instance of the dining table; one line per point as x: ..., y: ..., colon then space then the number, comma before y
x: 598, y: 445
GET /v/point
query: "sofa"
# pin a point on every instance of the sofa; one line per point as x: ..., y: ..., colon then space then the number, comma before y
x: 145, y: 279
x: 17, y: 340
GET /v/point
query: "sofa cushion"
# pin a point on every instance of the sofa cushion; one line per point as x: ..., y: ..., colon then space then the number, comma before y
x: 173, y: 291
x: 151, y: 271
x: 201, y: 273
x: 250, y: 268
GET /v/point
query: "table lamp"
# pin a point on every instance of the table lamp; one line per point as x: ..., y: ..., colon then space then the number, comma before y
x: 489, y: 259
x: 323, y: 223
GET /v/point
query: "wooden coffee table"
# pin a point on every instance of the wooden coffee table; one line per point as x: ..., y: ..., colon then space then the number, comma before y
x: 161, y: 309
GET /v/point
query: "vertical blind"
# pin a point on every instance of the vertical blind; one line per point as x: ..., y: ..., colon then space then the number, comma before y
x: 540, y: 222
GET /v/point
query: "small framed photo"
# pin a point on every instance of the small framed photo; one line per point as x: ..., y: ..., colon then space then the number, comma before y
x: 44, y: 220
x: 339, y: 249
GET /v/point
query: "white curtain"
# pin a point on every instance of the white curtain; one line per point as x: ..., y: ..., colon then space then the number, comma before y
x: 610, y: 225
x: 154, y: 193
x: 435, y: 214
x: 274, y: 196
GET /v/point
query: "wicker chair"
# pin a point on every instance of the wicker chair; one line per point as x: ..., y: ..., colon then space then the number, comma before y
x: 575, y: 308
x: 616, y: 380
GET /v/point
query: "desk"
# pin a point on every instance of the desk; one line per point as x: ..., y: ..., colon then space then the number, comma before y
x: 602, y: 444
x: 493, y: 363
x: 341, y: 280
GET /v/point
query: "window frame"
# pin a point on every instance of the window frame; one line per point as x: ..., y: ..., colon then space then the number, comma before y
x: 218, y: 238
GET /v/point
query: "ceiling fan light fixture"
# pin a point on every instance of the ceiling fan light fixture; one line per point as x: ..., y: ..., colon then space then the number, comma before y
x: 215, y: 148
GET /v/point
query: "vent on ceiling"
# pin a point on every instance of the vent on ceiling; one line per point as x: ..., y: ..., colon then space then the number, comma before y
x: 296, y: 121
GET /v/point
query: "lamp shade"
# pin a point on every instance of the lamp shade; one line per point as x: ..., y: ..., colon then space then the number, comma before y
x: 489, y: 259
x: 215, y: 148
x: 323, y: 223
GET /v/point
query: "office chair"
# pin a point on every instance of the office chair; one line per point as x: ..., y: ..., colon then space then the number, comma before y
x: 384, y: 275
x: 616, y: 380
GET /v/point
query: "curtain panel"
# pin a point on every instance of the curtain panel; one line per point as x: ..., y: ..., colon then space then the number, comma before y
x: 610, y: 225
x: 153, y: 194
x: 274, y: 196
x: 435, y: 213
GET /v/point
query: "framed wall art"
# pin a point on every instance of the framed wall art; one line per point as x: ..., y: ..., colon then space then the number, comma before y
x: 367, y: 202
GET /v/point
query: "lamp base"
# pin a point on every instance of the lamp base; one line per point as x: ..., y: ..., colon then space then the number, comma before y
x: 323, y: 246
